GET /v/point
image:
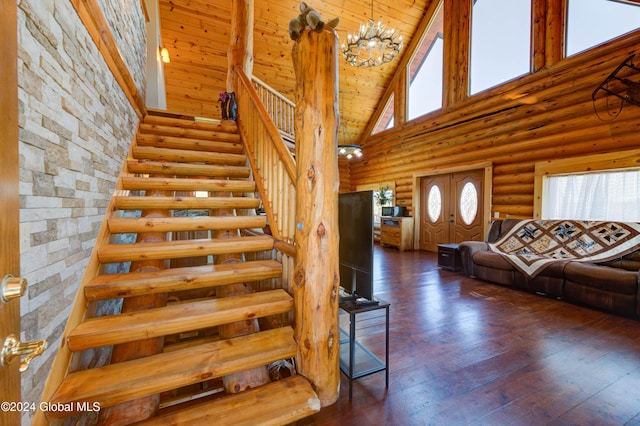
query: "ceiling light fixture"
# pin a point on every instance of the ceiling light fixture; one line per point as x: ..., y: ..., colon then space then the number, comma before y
x: 349, y: 151
x: 373, y: 46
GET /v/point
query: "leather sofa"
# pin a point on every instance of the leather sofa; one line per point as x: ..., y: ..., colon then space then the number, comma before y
x: 612, y: 286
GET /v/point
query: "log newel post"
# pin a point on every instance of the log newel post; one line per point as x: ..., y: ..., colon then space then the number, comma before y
x: 316, y: 275
x: 240, y: 54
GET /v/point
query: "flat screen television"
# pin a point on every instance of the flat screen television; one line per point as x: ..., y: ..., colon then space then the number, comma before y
x: 355, y: 222
x: 395, y: 211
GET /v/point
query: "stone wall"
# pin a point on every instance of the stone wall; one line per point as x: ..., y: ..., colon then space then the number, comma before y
x: 76, y: 125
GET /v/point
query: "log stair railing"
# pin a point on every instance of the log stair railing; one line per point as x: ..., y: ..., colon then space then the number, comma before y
x: 178, y: 160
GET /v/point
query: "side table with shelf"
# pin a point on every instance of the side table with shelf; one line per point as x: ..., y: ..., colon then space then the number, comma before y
x: 355, y: 359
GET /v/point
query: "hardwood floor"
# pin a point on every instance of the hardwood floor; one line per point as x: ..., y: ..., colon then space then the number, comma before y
x: 469, y: 352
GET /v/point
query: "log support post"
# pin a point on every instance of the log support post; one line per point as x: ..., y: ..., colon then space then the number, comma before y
x: 240, y: 53
x: 316, y: 274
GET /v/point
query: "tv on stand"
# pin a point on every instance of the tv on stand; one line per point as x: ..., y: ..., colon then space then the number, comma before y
x: 355, y: 222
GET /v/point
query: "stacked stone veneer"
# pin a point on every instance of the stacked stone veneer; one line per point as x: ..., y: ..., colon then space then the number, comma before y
x: 76, y: 125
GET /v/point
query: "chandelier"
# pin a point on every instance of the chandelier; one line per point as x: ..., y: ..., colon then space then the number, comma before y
x: 349, y: 151
x: 373, y: 46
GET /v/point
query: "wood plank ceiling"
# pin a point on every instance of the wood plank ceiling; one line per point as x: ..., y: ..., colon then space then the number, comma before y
x: 196, y: 33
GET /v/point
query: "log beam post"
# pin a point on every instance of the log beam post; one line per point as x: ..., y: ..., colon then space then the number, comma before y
x: 316, y: 274
x: 240, y: 53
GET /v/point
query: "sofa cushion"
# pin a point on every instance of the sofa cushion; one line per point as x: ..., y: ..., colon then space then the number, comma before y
x: 492, y: 260
x: 604, y: 278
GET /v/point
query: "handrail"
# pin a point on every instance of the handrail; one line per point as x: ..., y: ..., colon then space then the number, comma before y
x: 280, y: 109
x: 271, y: 161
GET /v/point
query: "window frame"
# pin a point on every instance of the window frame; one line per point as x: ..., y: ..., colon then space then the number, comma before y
x: 588, y: 163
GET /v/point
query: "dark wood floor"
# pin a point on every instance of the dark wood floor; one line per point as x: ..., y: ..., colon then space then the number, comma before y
x: 469, y: 352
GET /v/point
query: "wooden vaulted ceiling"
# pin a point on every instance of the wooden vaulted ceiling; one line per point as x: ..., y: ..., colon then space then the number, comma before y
x: 196, y: 33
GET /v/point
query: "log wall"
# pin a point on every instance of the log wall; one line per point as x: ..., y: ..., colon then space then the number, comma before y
x: 541, y: 116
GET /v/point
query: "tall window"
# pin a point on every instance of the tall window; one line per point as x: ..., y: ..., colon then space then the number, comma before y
x: 425, y: 90
x: 386, y: 119
x: 591, y: 22
x: 500, y: 42
x: 425, y: 71
x: 604, y: 195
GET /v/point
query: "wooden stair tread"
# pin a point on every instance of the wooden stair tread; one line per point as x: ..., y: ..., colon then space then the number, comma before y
x: 185, y: 132
x: 172, y: 142
x: 189, y: 122
x: 276, y: 403
x: 169, y: 280
x: 113, y: 253
x: 183, y: 184
x: 187, y: 156
x: 121, y: 328
x: 124, y: 381
x: 187, y: 169
x: 119, y: 225
x: 179, y: 203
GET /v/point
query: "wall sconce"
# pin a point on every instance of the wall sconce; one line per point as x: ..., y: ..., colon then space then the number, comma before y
x: 164, y: 54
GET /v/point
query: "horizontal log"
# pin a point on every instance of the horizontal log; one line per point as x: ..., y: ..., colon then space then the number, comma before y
x: 134, y: 183
x: 226, y: 127
x: 195, y: 133
x: 186, y: 203
x: 186, y: 169
x: 119, y: 225
x: 117, y: 383
x: 513, y: 210
x: 282, y: 402
x: 114, y: 253
x: 509, y: 179
x: 513, y: 199
x: 111, y: 286
x: 226, y: 144
x: 114, y: 329
x: 512, y: 189
x: 184, y: 155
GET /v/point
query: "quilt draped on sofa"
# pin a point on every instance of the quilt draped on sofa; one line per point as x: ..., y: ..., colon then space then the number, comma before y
x: 532, y: 245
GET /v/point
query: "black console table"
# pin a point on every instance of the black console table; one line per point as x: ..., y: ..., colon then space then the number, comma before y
x: 355, y: 359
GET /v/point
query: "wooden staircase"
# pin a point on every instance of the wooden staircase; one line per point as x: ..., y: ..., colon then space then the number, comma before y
x: 177, y: 160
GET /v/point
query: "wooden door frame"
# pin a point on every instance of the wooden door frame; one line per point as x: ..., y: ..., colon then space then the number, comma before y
x: 9, y: 197
x: 487, y: 188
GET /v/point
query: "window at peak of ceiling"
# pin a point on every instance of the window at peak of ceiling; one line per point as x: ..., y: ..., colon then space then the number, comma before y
x: 592, y: 22
x: 500, y: 42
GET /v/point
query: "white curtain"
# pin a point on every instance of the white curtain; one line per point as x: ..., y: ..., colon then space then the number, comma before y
x: 611, y: 195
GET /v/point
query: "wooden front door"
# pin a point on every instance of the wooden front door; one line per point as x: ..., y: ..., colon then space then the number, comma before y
x: 452, y: 208
x: 9, y: 199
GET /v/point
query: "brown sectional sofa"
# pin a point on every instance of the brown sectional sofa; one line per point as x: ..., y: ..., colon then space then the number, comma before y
x: 612, y: 286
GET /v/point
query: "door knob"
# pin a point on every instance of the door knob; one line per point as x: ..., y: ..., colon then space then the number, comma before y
x: 13, y: 347
x: 12, y: 288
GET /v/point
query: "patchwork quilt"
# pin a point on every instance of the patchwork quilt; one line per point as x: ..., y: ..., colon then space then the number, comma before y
x: 532, y: 245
